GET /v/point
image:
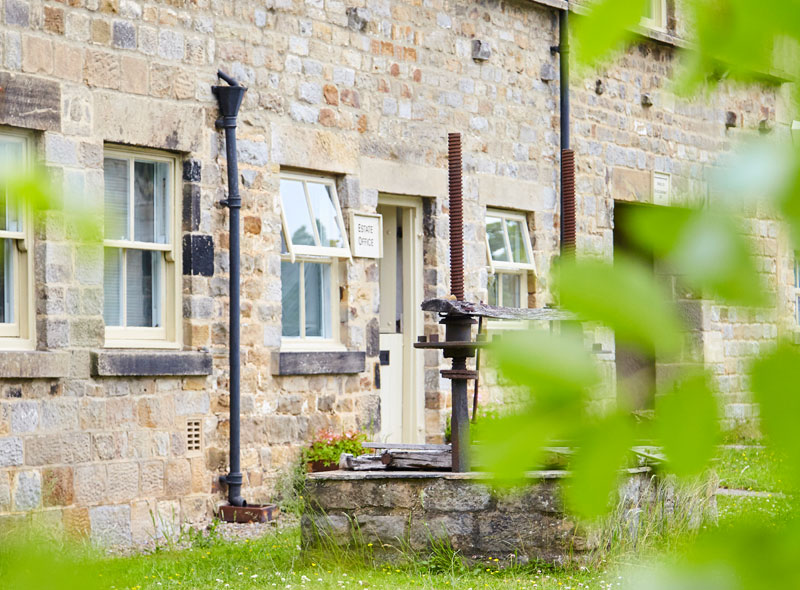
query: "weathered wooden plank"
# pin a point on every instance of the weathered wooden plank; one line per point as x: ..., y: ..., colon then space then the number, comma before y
x: 417, y: 460
x: 405, y: 446
x: 318, y: 363
x: 491, y: 311
x: 350, y: 462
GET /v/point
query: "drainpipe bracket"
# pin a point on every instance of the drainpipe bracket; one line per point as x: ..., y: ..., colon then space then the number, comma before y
x: 555, y: 49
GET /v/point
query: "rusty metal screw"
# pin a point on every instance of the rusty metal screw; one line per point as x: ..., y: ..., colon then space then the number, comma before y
x: 456, y: 216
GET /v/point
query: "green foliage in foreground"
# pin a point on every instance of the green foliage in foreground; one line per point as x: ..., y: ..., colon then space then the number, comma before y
x: 276, y: 561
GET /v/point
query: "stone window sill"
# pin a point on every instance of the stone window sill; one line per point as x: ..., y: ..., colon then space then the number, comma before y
x: 148, y: 363
x: 34, y: 364
x: 342, y: 362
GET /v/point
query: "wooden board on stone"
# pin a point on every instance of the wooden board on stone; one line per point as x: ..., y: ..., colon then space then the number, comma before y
x: 417, y: 460
x: 445, y: 306
x: 349, y: 462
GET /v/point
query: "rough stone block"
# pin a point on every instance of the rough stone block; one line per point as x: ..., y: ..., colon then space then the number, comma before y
x: 29, y: 102
x: 133, y: 364
x: 123, y: 481
x: 5, y: 492
x: 124, y: 35
x: 456, y: 496
x: 111, y: 525
x: 24, y: 416
x: 389, y: 529
x: 10, y: 451
x: 296, y: 146
x: 198, y: 255
x: 27, y: 494
x: 77, y: 524
x: 18, y: 13
x: 178, y: 478
x: 57, y: 486
x: 90, y: 484
x: 324, y: 527
x: 39, y: 450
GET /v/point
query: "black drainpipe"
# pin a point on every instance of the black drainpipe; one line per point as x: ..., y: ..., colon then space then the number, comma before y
x: 567, y: 240
x: 230, y: 99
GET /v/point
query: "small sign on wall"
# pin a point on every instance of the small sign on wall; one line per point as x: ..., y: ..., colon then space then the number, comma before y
x: 366, y: 232
x: 661, y: 188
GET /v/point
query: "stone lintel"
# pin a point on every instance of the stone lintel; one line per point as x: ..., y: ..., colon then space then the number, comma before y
x: 512, y: 193
x: 148, y: 123
x: 296, y: 146
x: 34, y: 364
x: 402, y: 179
x: 138, y: 363
x: 29, y: 102
x: 318, y: 363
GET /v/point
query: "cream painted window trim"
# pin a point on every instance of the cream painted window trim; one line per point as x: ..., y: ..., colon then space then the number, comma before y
x: 295, y: 250
x: 21, y: 333
x: 313, y: 343
x: 495, y: 265
x: 495, y: 325
x: 169, y: 335
x: 658, y: 22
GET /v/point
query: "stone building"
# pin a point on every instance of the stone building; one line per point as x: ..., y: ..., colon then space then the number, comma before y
x: 113, y: 355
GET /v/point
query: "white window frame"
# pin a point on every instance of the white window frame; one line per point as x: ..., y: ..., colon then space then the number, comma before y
x: 169, y: 334
x: 658, y: 20
x: 499, y: 267
x: 796, y: 291
x: 315, y: 254
x: 20, y: 334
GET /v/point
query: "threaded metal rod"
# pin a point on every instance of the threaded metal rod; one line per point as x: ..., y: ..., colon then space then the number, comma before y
x: 456, y: 216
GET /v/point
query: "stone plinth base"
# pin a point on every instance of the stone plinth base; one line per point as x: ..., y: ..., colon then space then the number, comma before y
x: 402, y: 510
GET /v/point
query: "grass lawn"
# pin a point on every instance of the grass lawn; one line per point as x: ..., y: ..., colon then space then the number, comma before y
x: 758, y: 469
x: 277, y: 562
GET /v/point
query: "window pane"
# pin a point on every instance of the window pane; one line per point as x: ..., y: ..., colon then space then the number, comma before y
x: 322, y: 205
x: 143, y: 288
x: 112, y: 287
x: 497, y: 243
x: 116, y: 198
x: 510, y: 286
x: 295, y: 208
x: 151, y: 191
x: 318, y: 299
x: 7, y: 281
x: 290, y: 298
x: 493, y: 290
x: 11, y: 160
x: 516, y: 238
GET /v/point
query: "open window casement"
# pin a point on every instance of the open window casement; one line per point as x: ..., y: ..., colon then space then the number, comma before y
x: 312, y: 218
x: 508, y: 244
x: 510, y: 257
x: 313, y: 241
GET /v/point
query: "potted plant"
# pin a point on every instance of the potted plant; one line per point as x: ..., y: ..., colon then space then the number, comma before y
x: 326, y: 447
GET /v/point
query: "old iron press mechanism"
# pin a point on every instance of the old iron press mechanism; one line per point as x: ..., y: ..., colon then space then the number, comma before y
x: 458, y: 344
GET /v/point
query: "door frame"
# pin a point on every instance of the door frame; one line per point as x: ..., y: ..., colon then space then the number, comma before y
x: 413, y: 419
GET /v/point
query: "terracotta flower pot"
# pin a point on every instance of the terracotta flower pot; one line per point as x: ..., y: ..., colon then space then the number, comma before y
x: 315, y: 466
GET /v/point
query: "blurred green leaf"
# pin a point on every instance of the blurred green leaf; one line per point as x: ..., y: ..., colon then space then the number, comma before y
x: 606, y: 27
x: 687, y: 425
x: 557, y: 373
x: 625, y: 297
x: 602, y: 451
x: 775, y: 380
x: 706, y: 248
x: 544, y: 362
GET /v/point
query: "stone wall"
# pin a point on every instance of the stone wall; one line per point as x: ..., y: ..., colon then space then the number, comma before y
x: 362, y: 91
x: 391, y: 514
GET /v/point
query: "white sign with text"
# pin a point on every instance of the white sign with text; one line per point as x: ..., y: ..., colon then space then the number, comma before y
x: 366, y: 231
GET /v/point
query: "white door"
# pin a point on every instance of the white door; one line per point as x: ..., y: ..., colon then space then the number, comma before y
x: 401, y: 377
